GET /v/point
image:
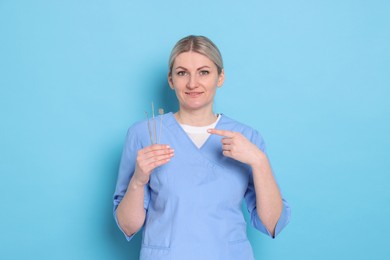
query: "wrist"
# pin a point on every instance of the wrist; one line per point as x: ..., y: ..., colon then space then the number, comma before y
x: 261, y: 161
x: 135, y: 183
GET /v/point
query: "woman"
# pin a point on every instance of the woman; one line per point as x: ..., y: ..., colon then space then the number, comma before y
x: 187, y: 191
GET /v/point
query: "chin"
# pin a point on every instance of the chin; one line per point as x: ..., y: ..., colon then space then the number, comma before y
x: 194, y: 106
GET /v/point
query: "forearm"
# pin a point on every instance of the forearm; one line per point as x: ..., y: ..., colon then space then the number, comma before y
x: 130, y: 211
x: 268, y: 198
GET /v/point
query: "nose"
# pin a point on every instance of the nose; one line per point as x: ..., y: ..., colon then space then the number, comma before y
x: 192, y: 82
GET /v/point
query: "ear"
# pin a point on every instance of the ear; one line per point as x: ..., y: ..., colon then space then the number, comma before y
x: 170, y: 81
x: 221, y: 78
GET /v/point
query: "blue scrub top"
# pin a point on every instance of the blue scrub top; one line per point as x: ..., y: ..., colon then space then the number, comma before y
x: 193, y: 203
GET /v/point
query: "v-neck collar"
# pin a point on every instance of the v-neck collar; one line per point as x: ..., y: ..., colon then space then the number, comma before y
x: 171, y: 122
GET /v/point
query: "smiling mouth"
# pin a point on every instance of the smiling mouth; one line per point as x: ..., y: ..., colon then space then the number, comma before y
x: 194, y: 94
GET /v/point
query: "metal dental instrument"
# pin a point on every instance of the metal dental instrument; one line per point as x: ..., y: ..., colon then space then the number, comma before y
x: 161, y: 113
x: 152, y: 127
x: 150, y: 132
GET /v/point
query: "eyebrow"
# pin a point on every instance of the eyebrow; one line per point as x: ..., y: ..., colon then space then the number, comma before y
x: 203, y: 67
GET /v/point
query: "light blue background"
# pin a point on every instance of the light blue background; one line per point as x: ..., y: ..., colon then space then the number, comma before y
x: 312, y: 76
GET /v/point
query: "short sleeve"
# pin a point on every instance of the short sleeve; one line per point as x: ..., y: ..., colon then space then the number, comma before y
x: 250, y: 199
x: 126, y: 171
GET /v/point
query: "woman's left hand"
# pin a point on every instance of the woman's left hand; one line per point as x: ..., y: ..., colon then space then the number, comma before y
x: 238, y: 147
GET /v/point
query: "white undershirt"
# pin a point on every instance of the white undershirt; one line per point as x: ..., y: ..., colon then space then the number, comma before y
x: 198, y: 134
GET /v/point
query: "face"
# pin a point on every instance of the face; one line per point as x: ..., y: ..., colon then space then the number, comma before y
x: 195, y: 80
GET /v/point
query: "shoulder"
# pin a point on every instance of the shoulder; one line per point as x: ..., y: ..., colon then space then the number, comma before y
x: 141, y: 131
x: 137, y: 128
x: 234, y: 125
x: 143, y: 126
x: 137, y: 134
x: 249, y: 132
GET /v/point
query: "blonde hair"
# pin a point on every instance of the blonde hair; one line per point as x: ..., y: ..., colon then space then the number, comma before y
x: 198, y: 44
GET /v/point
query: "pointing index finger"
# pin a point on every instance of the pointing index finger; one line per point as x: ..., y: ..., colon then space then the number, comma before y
x: 220, y: 132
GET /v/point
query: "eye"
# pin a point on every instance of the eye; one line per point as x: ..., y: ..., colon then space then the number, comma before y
x: 181, y: 73
x: 204, y: 72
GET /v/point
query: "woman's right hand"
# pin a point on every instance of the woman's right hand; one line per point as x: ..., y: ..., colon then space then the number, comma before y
x: 150, y: 158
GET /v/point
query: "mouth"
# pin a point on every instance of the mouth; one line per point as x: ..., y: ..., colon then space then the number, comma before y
x: 193, y: 94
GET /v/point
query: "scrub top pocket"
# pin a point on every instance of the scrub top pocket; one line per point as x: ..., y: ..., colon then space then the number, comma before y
x: 157, y: 232
x: 153, y: 253
x: 240, y: 249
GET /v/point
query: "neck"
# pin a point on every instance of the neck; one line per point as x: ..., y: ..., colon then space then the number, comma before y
x: 195, y: 118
